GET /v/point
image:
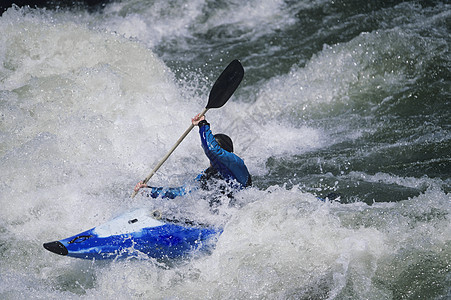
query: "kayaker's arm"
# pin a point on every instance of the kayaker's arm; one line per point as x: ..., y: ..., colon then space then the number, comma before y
x: 227, y: 163
x: 162, y: 192
x: 169, y: 193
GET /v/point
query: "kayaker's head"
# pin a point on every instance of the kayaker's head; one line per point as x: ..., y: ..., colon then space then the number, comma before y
x: 224, y: 141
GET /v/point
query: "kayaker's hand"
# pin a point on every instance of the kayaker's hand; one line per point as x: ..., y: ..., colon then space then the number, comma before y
x: 139, y: 186
x: 195, y: 121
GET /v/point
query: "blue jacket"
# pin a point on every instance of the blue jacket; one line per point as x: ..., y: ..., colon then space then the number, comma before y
x: 228, y: 165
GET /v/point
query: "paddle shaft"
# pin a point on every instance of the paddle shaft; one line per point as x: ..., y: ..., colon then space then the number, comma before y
x: 170, y: 152
x: 220, y: 93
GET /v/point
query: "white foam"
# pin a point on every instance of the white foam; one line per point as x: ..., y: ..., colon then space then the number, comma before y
x: 87, y: 113
x: 85, y: 110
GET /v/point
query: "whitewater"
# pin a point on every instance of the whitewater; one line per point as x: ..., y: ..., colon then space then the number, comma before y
x: 337, y: 97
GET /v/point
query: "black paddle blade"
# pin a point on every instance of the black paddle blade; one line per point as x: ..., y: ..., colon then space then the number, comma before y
x: 226, y: 84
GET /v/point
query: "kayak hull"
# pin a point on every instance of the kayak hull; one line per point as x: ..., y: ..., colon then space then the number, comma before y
x: 138, y: 234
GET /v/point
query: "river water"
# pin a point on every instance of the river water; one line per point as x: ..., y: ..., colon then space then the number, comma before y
x: 350, y: 97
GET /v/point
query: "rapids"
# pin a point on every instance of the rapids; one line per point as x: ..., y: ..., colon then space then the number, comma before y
x: 338, y: 96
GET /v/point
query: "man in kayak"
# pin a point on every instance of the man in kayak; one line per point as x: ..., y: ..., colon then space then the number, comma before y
x: 227, y: 171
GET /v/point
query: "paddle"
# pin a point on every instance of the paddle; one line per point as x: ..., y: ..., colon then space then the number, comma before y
x: 220, y: 93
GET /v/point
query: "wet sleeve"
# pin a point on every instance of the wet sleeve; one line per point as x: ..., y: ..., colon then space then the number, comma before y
x: 171, y: 193
x: 227, y: 163
x: 166, y: 193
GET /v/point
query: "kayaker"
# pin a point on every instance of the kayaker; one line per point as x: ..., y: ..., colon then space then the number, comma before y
x: 227, y: 171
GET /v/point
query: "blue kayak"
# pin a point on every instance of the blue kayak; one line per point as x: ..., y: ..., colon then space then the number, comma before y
x: 141, y: 234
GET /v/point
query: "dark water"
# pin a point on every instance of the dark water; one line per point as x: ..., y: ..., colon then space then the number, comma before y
x: 350, y: 97
x: 397, y: 101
